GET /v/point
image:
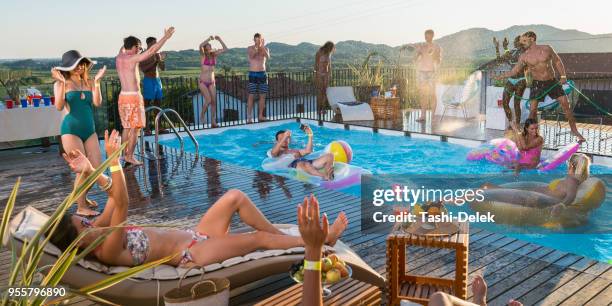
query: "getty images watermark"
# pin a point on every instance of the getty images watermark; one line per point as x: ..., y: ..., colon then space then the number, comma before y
x: 502, y: 202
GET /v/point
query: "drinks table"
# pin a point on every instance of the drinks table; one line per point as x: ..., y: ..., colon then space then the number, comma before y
x: 29, y: 123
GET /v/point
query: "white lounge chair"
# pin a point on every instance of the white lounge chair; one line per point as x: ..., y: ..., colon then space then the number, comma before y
x: 148, y: 287
x: 458, y: 98
x: 342, y: 99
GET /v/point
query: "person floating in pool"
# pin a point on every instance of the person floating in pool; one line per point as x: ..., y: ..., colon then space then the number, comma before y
x: 557, y: 197
x: 529, y: 142
x: 515, y: 85
x: 542, y: 61
x: 322, y: 167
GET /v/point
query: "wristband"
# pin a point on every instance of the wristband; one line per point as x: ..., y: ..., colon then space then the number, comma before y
x: 564, y: 77
x: 309, y: 134
x: 115, y: 168
x: 312, y: 265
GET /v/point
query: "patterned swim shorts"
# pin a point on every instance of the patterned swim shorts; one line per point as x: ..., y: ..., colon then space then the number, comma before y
x: 131, y: 110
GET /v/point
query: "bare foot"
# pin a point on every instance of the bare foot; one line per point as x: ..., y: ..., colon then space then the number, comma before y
x: 133, y: 161
x: 479, y: 290
x: 579, y: 136
x: 336, y: 229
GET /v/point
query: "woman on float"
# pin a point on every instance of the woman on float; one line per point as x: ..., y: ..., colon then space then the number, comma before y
x: 557, y: 195
x: 529, y: 143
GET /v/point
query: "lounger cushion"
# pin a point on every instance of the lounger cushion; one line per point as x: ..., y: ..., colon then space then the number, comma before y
x: 27, y: 222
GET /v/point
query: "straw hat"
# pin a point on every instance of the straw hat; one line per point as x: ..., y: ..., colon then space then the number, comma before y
x: 71, y: 59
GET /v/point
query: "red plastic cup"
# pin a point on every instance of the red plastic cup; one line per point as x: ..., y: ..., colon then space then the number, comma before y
x: 52, y: 100
x: 9, y: 104
x: 500, y: 102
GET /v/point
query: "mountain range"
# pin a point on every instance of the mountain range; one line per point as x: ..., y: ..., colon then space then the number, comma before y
x: 469, y: 47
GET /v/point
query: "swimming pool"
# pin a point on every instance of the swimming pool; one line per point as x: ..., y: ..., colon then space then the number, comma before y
x: 385, y: 154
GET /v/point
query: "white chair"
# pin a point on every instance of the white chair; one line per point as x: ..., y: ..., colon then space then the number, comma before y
x: 342, y: 99
x: 458, y: 98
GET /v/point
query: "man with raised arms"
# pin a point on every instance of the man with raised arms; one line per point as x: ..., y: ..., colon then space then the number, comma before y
x: 131, y: 104
x: 542, y: 61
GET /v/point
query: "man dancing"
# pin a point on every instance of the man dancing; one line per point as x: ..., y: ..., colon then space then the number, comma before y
x: 542, y: 61
x: 131, y: 104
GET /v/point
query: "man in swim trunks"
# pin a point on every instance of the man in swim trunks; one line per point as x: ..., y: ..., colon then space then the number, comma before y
x: 151, y: 84
x: 542, y: 61
x: 321, y: 167
x: 428, y: 58
x: 515, y: 86
x: 258, y: 79
x: 131, y: 105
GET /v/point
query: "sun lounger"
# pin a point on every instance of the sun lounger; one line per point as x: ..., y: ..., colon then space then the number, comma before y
x: 342, y: 99
x: 149, y: 286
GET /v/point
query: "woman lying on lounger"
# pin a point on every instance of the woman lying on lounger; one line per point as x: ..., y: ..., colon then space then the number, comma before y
x: 208, y: 242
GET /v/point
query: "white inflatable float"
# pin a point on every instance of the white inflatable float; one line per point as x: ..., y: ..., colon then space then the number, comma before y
x: 345, y: 174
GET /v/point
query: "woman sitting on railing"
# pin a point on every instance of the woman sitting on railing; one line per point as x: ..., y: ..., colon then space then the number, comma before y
x: 207, y: 77
x: 208, y: 242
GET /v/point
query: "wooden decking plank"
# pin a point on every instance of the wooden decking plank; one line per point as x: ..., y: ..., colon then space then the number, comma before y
x: 605, y: 296
x: 523, y: 281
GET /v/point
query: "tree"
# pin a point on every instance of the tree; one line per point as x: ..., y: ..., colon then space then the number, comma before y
x: 12, y: 79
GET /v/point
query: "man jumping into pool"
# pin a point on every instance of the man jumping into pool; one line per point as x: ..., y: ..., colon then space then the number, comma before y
x: 542, y: 61
x: 321, y: 167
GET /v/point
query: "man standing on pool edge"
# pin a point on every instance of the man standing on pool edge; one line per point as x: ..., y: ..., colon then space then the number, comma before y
x: 542, y: 62
x: 131, y: 104
x: 428, y: 58
x: 258, y: 80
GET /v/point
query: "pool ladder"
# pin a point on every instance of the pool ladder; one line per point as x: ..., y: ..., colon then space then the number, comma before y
x: 162, y: 114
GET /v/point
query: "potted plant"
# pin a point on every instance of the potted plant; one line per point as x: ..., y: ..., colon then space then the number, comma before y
x: 368, y: 78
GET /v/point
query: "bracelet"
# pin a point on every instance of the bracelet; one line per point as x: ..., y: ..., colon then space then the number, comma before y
x: 564, y: 77
x: 115, y: 168
x: 309, y: 134
x: 108, y: 185
x: 312, y: 265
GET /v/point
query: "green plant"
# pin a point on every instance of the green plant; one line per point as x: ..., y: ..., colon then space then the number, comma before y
x: 12, y: 79
x: 365, y: 75
x: 26, y: 263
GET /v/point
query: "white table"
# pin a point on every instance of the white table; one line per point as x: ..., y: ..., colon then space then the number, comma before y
x: 29, y: 123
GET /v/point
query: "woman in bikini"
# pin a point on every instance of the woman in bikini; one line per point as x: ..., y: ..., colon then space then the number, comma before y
x: 207, y: 77
x: 563, y: 194
x: 208, y: 242
x: 323, y: 73
x: 78, y: 95
x: 529, y: 143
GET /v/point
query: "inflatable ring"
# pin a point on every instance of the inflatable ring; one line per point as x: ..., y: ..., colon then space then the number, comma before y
x: 591, y: 194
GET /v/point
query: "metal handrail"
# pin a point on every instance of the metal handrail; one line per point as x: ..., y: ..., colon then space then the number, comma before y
x: 163, y: 113
x: 160, y: 110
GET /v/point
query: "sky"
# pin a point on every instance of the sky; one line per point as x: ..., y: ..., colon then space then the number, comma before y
x: 46, y: 29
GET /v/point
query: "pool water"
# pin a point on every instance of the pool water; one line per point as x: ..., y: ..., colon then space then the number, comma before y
x: 384, y: 154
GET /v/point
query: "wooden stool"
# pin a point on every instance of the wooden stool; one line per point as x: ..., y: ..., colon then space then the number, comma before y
x: 347, y: 292
x: 416, y: 288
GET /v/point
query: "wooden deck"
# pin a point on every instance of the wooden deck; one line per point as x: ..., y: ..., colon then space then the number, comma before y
x: 512, y: 268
